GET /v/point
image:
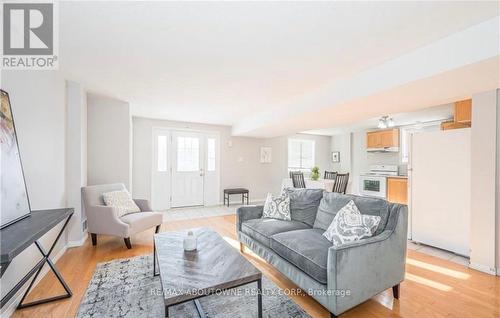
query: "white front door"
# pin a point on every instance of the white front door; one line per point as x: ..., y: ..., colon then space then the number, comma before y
x: 188, y: 168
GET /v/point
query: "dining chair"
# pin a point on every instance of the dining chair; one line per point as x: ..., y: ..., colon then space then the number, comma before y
x: 340, y: 185
x: 330, y: 175
x: 297, y: 179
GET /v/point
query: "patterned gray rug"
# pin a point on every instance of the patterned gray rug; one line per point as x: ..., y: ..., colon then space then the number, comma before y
x: 127, y: 288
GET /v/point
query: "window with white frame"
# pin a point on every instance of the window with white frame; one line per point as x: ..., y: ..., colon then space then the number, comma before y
x: 300, y: 154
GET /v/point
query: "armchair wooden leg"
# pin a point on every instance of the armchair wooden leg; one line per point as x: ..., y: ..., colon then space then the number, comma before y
x: 157, y: 230
x: 127, y: 242
x: 94, y: 238
x: 395, y: 291
x: 242, y: 248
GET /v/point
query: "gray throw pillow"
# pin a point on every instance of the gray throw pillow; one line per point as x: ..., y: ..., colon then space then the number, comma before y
x: 332, y: 203
x: 277, y: 207
x: 350, y: 225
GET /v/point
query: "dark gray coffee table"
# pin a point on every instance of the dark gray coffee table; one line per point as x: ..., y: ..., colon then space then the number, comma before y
x: 215, y: 266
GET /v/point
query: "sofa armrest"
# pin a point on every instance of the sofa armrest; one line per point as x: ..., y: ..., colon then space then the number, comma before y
x: 246, y: 213
x: 104, y: 220
x: 369, y: 266
x: 143, y: 204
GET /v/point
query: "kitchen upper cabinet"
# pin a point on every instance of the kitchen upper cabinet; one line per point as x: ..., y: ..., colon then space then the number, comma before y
x: 463, y: 111
x: 382, y: 138
x: 397, y: 190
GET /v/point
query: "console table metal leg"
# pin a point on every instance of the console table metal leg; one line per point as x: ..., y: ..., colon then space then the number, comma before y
x: 46, y: 258
x: 154, y: 259
x: 259, y: 297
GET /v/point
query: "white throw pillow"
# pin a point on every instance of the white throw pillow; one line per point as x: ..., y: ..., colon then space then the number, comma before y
x: 122, y: 201
x: 350, y: 225
x: 277, y: 207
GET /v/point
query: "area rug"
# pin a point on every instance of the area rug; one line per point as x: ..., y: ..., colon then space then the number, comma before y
x: 127, y: 288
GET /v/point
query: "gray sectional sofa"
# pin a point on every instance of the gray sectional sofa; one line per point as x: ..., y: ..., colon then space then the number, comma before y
x: 338, y: 277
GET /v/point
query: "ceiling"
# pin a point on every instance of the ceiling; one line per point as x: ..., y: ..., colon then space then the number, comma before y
x: 222, y: 62
x: 425, y: 115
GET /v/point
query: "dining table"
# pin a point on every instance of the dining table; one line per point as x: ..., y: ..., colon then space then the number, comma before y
x: 326, y: 184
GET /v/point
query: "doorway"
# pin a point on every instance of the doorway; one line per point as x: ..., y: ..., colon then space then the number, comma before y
x: 185, y: 170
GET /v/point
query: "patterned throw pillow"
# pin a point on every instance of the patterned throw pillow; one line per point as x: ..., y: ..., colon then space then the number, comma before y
x: 350, y: 225
x: 277, y: 207
x: 122, y: 201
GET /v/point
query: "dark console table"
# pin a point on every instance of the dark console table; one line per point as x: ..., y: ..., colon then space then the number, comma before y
x: 18, y: 236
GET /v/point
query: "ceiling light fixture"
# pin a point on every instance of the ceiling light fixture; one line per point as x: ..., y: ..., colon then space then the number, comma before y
x: 385, y: 121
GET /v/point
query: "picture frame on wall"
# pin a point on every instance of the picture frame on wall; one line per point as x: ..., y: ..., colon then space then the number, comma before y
x: 336, y: 156
x: 266, y: 154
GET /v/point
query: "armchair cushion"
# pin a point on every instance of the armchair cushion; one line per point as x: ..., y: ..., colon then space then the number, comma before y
x: 120, y: 200
x: 141, y: 221
x: 262, y: 229
x: 306, y: 249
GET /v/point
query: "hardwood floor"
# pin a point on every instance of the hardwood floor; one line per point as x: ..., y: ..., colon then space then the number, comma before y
x: 433, y: 287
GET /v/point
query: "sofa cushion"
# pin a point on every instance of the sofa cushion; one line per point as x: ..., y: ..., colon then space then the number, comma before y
x: 332, y: 202
x: 306, y: 249
x: 304, y: 204
x: 262, y: 229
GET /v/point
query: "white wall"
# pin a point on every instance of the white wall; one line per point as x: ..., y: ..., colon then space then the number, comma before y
x: 240, y: 162
x: 76, y: 157
x: 483, y: 181
x: 38, y: 104
x: 498, y: 187
x: 109, y: 141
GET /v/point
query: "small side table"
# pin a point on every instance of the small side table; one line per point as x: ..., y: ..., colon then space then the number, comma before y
x: 244, y: 194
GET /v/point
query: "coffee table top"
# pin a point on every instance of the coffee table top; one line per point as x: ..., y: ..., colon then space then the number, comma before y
x: 215, y: 265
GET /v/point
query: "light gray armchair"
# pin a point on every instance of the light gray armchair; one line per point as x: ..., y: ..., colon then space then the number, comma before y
x: 102, y: 219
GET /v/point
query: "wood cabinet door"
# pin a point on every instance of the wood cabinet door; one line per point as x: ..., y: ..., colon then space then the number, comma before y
x: 463, y: 111
x: 373, y: 140
x: 397, y: 190
x: 390, y: 138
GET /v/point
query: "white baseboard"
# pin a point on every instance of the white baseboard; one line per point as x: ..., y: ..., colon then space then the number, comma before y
x: 239, y: 202
x: 11, y: 305
x: 79, y: 242
x: 484, y: 268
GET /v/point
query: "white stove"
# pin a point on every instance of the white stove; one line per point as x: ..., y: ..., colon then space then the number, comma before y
x: 374, y: 182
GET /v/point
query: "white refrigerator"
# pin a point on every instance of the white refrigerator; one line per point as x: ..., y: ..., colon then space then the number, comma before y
x: 439, y: 181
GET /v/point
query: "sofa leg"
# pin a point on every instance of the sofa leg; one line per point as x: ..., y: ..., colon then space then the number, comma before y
x: 94, y: 238
x: 157, y: 230
x: 127, y: 242
x: 395, y: 291
x: 242, y: 247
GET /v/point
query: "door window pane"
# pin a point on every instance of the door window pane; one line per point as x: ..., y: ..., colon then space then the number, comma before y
x: 162, y: 153
x: 188, y: 154
x: 211, y: 154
